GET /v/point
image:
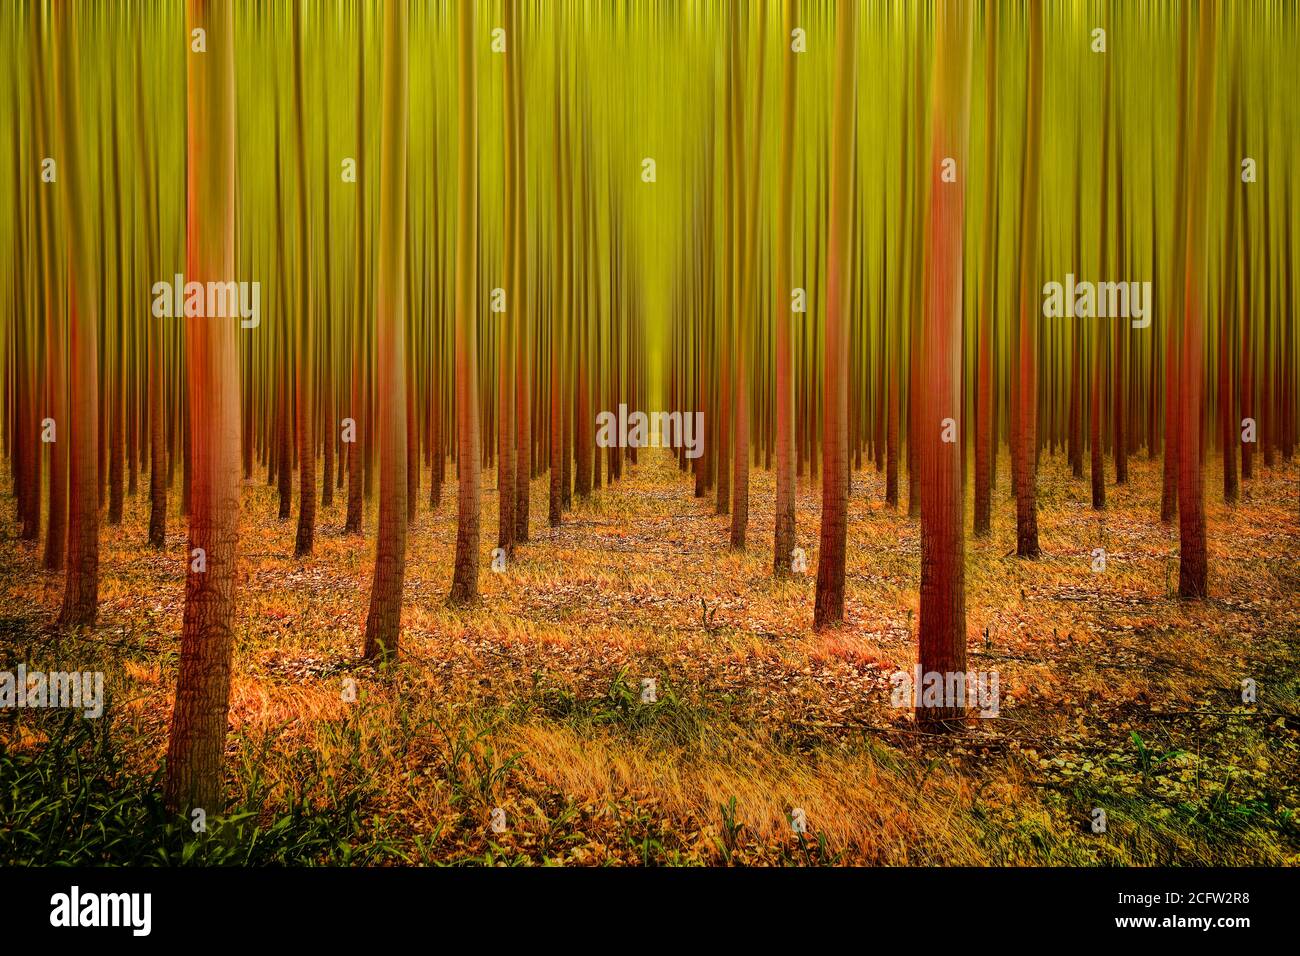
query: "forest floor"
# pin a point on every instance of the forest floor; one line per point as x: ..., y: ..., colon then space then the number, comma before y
x: 1115, y: 696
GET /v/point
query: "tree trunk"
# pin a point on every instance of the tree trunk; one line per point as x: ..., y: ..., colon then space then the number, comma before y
x: 988, y: 279
x: 745, y: 324
x: 1026, y: 418
x: 523, y: 322
x: 196, y: 744
x: 1173, y: 430
x: 384, y: 621
x: 1192, y: 565
x: 115, y: 387
x: 81, y: 590
x: 829, y: 608
x: 56, y: 342
x: 507, y: 326
x: 306, y: 375
x: 558, y: 311
x: 942, y: 636
x: 784, y: 541
x: 1228, y: 311
x: 360, y: 303
x: 464, y: 587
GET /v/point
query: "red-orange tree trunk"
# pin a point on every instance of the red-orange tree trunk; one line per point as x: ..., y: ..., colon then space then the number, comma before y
x: 829, y: 608
x: 943, y: 575
x: 384, y: 622
x: 198, y: 731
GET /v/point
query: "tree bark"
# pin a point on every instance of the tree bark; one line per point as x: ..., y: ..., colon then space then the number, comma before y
x: 360, y: 303
x: 745, y: 324
x: 196, y: 744
x: 829, y: 607
x: 988, y: 279
x: 81, y: 580
x: 464, y: 587
x: 384, y: 621
x: 784, y: 539
x: 1193, y: 564
x: 942, y: 636
x: 508, y: 323
x: 306, y: 373
x: 1026, y: 419
x: 523, y: 321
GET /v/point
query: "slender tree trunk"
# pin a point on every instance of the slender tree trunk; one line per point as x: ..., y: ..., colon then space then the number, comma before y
x: 988, y: 278
x: 829, y: 608
x: 1096, y: 427
x: 523, y: 320
x: 1266, y: 404
x: 384, y: 621
x: 306, y: 396
x: 745, y: 324
x: 1119, y: 374
x: 582, y: 418
x: 81, y: 591
x: 784, y: 541
x: 157, y: 329
x: 898, y: 302
x: 916, y: 285
x: 1076, y: 338
x: 56, y: 527
x: 557, y: 450
x: 115, y: 387
x: 284, y: 459
x: 1173, y: 431
x: 412, y: 410
x: 329, y: 403
x: 943, y: 547
x: 507, y: 327
x: 1229, y: 301
x: 1193, y: 565
x: 436, y: 383
x: 1248, y: 299
x: 360, y: 302
x: 1026, y: 420
x: 724, y: 322
x: 21, y: 433
x: 464, y: 587
x: 196, y: 744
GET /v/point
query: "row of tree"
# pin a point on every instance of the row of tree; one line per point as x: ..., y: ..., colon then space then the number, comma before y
x: 1174, y: 205
x: 443, y: 289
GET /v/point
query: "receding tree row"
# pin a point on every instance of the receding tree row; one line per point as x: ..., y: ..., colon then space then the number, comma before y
x: 1105, y: 223
x: 349, y: 250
